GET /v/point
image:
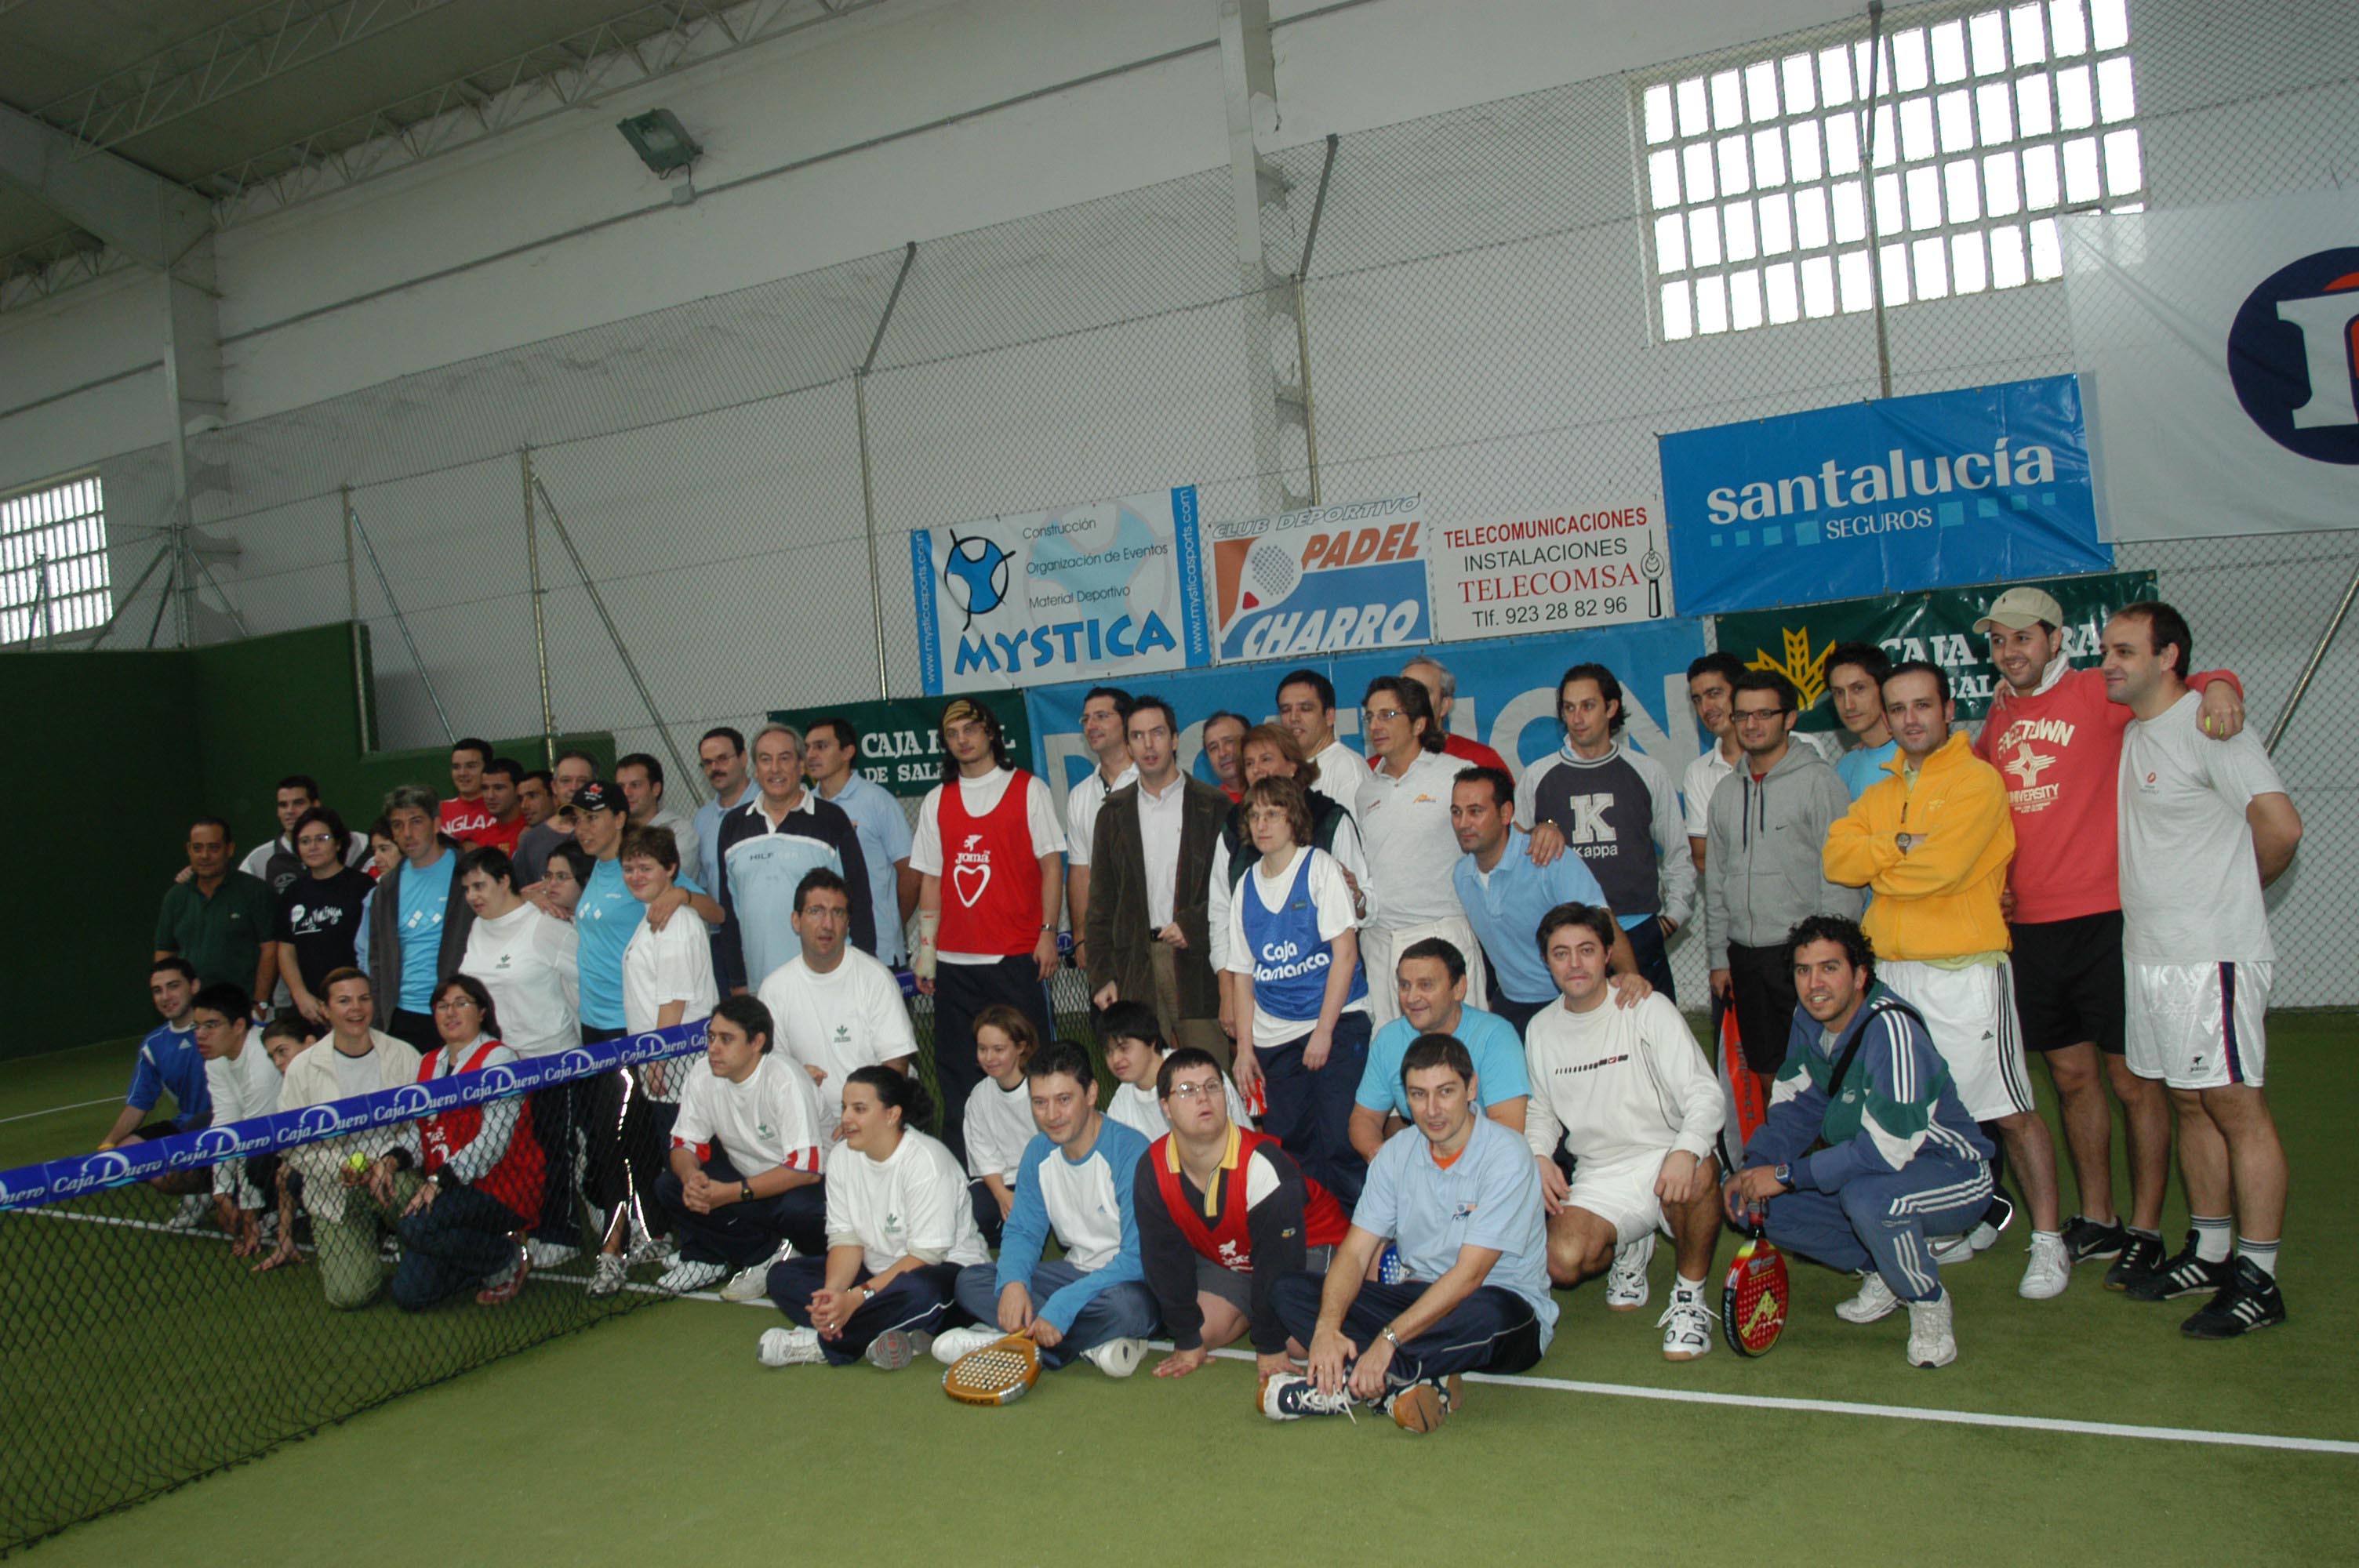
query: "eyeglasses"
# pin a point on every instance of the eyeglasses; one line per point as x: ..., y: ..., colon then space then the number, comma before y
x: 1380, y: 715
x: 308, y: 839
x: 1186, y: 1092
x: 455, y: 1003
x: 1762, y: 713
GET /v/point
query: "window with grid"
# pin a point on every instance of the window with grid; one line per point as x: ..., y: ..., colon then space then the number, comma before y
x: 1777, y: 194
x: 53, y: 567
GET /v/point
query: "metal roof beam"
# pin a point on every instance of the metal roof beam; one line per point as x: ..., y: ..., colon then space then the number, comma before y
x: 143, y: 214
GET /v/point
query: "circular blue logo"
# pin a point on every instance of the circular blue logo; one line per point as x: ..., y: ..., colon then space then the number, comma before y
x: 2293, y: 356
x: 976, y: 575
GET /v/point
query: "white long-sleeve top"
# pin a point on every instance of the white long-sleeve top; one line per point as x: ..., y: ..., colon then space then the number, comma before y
x: 527, y: 960
x: 1618, y: 1082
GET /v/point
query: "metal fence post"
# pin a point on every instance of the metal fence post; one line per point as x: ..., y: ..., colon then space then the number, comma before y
x: 352, y: 616
x: 352, y: 520
x: 2317, y: 658
x: 539, y: 622
x: 867, y: 478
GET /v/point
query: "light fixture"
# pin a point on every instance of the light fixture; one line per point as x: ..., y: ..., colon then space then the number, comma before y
x: 662, y: 142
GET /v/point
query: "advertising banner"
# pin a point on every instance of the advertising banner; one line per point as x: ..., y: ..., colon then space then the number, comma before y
x: 1506, y: 696
x: 1554, y: 569
x: 1910, y: 493
x: 2218, y: 348
x: 1937, y: 625
x: 1327, y: 581
x: 900, y: 740
x: 1110, y: 590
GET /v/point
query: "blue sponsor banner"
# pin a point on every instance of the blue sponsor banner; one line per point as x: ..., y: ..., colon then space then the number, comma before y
x: 1507, y: 696
x: 1986, y: 485
x: 31, y: 1186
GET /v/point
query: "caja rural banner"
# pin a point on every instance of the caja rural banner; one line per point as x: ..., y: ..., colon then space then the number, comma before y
x: 1322, y: 582
x: 1554, y: 569
x: 2218, y: 348
x: 1506, y: 696
x: 901, y: 740
x: 1937, y: 625
x: 1909, y: 493
x: 1112, y: 590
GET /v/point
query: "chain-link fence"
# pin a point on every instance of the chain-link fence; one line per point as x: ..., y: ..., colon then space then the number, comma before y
x: 1485, y: 321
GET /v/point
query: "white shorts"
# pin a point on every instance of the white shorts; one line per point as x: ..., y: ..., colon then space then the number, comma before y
x: 2198, y: 1026
x: 1971, y: 1012
x: 1621, y: 1194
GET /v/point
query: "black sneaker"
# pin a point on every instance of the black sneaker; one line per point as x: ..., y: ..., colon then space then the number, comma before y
x: 2085, y: 1240
x: 2141, y: 1255
x: 2182, y: 1275
x: 2250, y: 1300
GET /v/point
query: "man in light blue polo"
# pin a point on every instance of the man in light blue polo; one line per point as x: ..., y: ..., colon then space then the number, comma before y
x: 830, y: 759
x: 1504, y: 895
x: 1430, y: 980
x: 721, y: 754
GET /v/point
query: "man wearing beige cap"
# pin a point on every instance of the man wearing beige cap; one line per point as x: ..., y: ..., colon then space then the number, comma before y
x: 2056, y: 742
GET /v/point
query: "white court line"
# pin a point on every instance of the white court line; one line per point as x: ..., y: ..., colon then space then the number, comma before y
x: 78, y: 1105
x: 1630, y: 1391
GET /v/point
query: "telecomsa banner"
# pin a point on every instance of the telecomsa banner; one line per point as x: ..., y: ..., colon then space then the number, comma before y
x: 901, y: 739
x: 1939, y: 626
x: 1110, y: 590
x: 1326, y: 580
x: 1555, y: 569
x: 2219, y: 351
x: 1886, y: 497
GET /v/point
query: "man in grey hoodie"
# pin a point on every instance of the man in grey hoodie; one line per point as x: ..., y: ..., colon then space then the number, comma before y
x: 1762, y: 870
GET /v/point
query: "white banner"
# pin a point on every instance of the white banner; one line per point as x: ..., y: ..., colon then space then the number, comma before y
x: 1554, y: 569
x: 2218, y: 352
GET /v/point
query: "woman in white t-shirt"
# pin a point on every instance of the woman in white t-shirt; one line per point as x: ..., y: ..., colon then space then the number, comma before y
x: 1301, y: 998
x: 898, y: 1230
x: 998, y: 1114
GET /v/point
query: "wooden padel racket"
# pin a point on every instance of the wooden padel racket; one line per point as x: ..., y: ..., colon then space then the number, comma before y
x: 997, y: 1374
x: 1753, y: 1300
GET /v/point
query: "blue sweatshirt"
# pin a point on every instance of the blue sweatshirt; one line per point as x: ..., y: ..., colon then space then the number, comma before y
x: 170, y: 1063
x: 1087, y: 1201
x: 1897, y: 1103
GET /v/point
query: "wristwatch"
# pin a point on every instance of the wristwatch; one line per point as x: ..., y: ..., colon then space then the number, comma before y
x: 1785, y: 1174
x: 1388, y: 1336
x: 745, y: 1192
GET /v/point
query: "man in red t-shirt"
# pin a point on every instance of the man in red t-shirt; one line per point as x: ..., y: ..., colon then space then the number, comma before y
x: 1442, y: 686
x: 990, y: 859
x: 503, y: 803
x: 2056, y: 742
x: 465, y: 815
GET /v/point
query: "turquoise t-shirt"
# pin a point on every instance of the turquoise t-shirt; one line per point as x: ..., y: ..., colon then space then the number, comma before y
x: 606, y: 919
x: 425, y: 896
x: 1489, y: 1039
x: 1863, y: 765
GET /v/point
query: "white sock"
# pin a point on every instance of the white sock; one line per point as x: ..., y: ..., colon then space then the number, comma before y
x: 2212, y: 1237
x: 1687, y: 1287
x: 2051, y: 1235
x: 2263, y: 1254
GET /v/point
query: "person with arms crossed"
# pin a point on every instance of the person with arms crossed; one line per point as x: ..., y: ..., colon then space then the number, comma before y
x: 419, y: 917
x: 220, y: 919
x: 1867, y: 1151
x: 1441, y: 689
x: 1306, y: 708
x: 349, y: 1213
x: 837, y: 1009
x: 318, y: 925
x: 1617, y: 810
x: 1403, y: 809
x: 766, y: 846
x: 1224, y: 737
x: 899, y: 1233
x: 1933, y: 839
x: 241, y: 1083
x: 1105, y: 730
x: 830, y: 759
x: 2056, y: 738
x: 2212, y: 817
x: 1462, y: 1202
x: 1148, y: 916
x: 991, y: 858
x: 1763, y: 870
x: 1855, y: 673
x: 1136, y: 1050
x: 998, y: 1120
x: 759, y: 1184
x: 641, y: 777
x: 1430, y: 979
x: 1639, y: 1110
x: 1077, y: 1181
x: 721, y: 754
x: 1223, y: 1215
x: 168, y: 1063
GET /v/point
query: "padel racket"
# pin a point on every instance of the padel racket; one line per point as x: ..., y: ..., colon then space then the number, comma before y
x: 997, y: 1374
x: 1744, y: 1089
x: 1754, y: 1299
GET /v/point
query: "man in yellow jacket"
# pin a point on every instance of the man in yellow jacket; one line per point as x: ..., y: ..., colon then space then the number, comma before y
x: 1932, y: 840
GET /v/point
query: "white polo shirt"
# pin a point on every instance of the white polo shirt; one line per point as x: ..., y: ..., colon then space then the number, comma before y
x: 1412, y: 850
x: 1082, y: 804
x: 1341, y: 769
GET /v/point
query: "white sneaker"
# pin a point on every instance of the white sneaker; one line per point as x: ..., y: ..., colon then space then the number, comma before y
x: 952, y: 1344
x: 789, y: 1347
x: 1290, y: 1396
x: 646, y: 1248
x: 608, y: 1278
x: 1873, y: 1304
x: 1687, y: 1327
x: 1949, y: 1251
x: 1932, y: 1342
x: 684, y: 1276
x: 747, y: 1284
x: 2049, y: 1270
x: 191, y: 1214
x: 551, y: 1254
x: 1625, y: 1282
x: 1116, y: 1357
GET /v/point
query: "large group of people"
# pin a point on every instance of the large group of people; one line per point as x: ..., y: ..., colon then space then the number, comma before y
x: 1393, y: 1041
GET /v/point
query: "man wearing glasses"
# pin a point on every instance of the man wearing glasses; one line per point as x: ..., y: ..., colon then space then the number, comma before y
x: 1762, y: 872
x: 1402, y: 807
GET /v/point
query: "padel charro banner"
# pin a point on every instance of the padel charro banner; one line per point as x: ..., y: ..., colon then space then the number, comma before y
x: 1886, y: 497
x: 2218, y: 348
x: 1113, y: 590
x: 1938, y: 625
x: 1551, y: 570
x: 1326, y: 580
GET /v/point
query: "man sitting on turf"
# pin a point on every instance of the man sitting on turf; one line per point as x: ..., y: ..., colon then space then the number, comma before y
x: 1135, y: 1050
x: 1463, y: 1202
x: 1223, y: 1214
x: 347, y: 1215
x: 1639, y: 1111
x: 169, y: 1064
x: 1902, y: 1160
x: 1430, y: 980
x: 1076, y: 1179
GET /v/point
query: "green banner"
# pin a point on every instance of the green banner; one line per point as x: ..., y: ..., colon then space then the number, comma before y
x: 1938, y: 624
x: 901, y: 739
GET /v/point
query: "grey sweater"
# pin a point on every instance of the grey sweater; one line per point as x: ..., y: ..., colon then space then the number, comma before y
x: 1762, y: 865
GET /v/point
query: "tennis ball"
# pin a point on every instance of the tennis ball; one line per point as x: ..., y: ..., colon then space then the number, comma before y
x: 357, y: 1160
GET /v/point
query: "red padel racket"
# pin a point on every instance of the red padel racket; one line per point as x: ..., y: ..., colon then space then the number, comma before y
x: 1744, y: 1089
x: 1752, y: 1301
